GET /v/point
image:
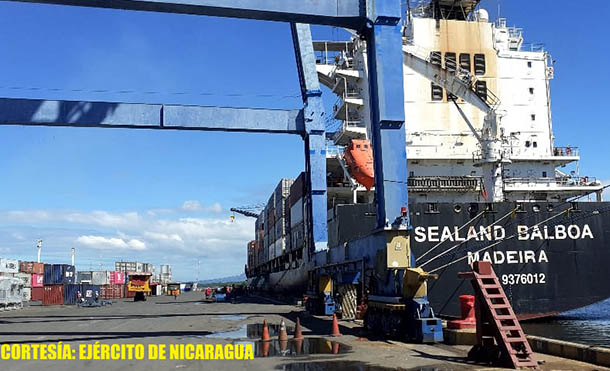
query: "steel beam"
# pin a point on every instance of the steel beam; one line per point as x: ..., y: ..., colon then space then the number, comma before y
x: 38, y: 112
x: 384, y: 46
x: 340, y: 13
x: 315, y: 138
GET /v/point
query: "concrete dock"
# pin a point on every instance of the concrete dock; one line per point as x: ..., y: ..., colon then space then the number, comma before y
x: 186, y: 320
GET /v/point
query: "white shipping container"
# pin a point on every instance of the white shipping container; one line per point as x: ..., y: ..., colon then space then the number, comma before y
x: 165, y: 268
x: 9, y: 265
x: 280, y: 247
x: 25, y: 277
x: 100, y: 278
x: 27, y: 293
x: 139, y: 267
x: 296, y: 213
x: 271, y: 249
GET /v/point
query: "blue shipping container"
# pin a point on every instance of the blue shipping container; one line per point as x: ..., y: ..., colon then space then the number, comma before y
x: 91, y: 293
x: 69, y: 274
x: 58, y: 273
x: 71, y: 294
x: 48, y: 274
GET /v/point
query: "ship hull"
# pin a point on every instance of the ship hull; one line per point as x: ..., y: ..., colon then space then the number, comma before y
x: 550, y: 258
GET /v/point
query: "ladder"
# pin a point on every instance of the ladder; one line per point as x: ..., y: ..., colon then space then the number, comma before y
x: 496, y: 319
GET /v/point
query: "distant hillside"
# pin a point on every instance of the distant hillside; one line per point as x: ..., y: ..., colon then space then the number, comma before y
x: 237, y: 278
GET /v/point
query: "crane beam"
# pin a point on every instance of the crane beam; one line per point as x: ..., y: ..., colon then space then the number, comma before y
x: 37, y: 112
x: 341, y: 13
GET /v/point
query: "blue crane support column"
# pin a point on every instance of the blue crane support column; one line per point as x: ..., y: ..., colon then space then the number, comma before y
x: 315, y: 136
x: 384, y: 56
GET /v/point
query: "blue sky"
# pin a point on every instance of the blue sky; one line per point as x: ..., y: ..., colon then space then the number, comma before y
x: 164, y: 196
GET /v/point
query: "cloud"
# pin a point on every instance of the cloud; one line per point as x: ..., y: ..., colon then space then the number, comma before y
x: 195, y: 206
x: 192, y: 206
x: 104, y: 243
x: 103, y: 237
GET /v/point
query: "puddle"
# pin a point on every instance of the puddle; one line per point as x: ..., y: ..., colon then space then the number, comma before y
x: 346, y: 366
x: 252, y: 331
x: 232, y: 317
x: 295, y: 348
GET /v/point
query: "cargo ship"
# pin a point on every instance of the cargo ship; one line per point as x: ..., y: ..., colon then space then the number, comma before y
x: 485, y: 178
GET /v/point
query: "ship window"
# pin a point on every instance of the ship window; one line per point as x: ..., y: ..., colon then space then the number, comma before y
x: 436, y: 58
x: 481, y: 89
x: 528, y: 143
x: 411, y: 173
x: 432, y: 207
x: 479, y: 64
x: 531, y: 90
x: 535, y: 144
x: 450, y: 62
x: 366, y: 146
x: 437, y: 92
x: 529, y: 64
x: 533, y: 117
x: 465, y: 61
x: 536, y: 208
x: 357, y: 145
x: 544, y: 174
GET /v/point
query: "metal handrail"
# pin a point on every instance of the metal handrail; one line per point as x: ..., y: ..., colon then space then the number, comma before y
x: 565, y: 151
x: 575, y: 181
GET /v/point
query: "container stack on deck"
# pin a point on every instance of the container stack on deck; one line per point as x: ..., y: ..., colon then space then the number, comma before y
x: 279, y: 229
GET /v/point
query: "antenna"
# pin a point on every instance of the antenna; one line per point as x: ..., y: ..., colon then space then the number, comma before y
x: 39, y: 247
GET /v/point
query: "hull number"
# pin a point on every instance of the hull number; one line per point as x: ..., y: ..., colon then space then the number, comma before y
x: 523, y: 279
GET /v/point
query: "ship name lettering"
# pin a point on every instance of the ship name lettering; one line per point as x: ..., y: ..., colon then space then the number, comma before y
x: 558, y: 232
x: 509, y: 257
x: 480, y: 233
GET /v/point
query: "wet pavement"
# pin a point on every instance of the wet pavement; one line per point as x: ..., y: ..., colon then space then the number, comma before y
x: 183, y: 321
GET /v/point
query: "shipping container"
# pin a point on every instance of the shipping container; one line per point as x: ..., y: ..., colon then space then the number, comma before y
x: 84, y: 277
x: 283, y: 189
x: 48, y: 274
x: 114, y: 291
x: 27, y: 294
x: 71, y: 294
x: 100, y: 278
x: 139, y: 267
x: 63, y: 274
x: 297, y: 189
x: 37, y: 293
x: 26, y: 267
x: 117, y: 277
x: 280, y: 247
x: 165, y: 268
x: 53, y: 295
x: 297, y: 236
x: 125, y: 266
x: 129, y: 294
x: 9, y: 265
x: 37, y: 280
x: 25, y: 277
x: 296, y: 212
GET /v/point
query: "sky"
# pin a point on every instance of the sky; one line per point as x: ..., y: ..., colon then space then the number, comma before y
x: 163, y: 196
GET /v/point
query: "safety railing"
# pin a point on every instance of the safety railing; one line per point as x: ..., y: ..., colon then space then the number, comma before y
x: 567, y: 181
x: 565, y: 151
x: 444, y: 183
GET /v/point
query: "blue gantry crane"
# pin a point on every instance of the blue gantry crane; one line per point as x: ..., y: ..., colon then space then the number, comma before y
x: 386, y: 251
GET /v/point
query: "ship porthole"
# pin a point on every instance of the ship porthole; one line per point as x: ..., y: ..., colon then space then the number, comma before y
x: 457, y: 208
x: 536, y: 208
x: 549, y: 207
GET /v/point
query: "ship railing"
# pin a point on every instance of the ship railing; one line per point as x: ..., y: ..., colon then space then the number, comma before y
x: 567, y: 181
x: 444, y: 183
x: 565, y: 151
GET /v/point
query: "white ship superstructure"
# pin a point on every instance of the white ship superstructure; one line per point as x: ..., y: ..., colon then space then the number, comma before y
x: 477, y: 108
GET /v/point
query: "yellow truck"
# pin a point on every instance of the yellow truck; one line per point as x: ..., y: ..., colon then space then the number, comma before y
x: 139, y: 282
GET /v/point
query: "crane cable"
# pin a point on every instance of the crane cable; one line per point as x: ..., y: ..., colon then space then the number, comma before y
x: 459, y: 229
x: 461, y: 243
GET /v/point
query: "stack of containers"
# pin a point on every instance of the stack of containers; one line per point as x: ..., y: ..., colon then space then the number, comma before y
x: 125, y: 266
x: 166, y: 274
x: 251, y: 251
x: 38, y: 285
x: 281, y: 194
x: 31, y: 273
x: 269, y: 253
x: 297, y: 224
x: 259, y: 232
x: 84, y: 277
x: 55, y: 277
x: 115, y: 288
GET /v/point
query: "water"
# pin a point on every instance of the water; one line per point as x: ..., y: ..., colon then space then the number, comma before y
x: 251, y: 331
x: 589, y: 325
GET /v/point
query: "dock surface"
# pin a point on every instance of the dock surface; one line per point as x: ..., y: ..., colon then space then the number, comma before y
x: 187, y: 320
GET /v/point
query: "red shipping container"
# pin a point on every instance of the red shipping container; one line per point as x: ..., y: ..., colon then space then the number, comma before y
x: 117, y: 277
x: 38, y: 268
x: 37, y: 280
x: 53, y: 295
x: 37, y: 293
x: 112, y: 291
x: 26, y: 267
x: 129, y: 294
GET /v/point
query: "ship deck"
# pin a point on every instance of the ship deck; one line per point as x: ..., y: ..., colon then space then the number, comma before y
x: 186, y: 320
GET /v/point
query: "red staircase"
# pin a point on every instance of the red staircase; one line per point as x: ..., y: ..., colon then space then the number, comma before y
x: 496, y: 320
